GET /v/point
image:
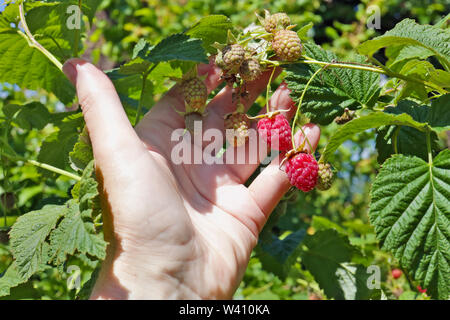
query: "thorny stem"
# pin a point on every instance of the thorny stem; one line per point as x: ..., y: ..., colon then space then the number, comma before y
x: 297, y: 113
x: 32, y: 41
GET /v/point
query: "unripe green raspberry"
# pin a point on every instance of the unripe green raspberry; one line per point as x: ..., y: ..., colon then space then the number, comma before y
x: 276, y: 22
x: 250, y: 69
x: 287, y: 45
x: 195, y: 93
x: 232, y: 57
x: 325, y: 177
x: 239, y: 123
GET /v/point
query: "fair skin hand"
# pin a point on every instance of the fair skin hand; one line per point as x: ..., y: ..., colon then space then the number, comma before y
x: 174, y: 231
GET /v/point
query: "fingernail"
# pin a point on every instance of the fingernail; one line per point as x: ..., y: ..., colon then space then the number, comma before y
x: 70, y: 71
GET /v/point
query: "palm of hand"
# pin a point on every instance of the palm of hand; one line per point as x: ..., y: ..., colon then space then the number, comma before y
x: 191, y: 225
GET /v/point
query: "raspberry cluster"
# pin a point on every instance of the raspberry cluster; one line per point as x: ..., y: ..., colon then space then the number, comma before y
x: 242, y: 61
x: 235, y: 60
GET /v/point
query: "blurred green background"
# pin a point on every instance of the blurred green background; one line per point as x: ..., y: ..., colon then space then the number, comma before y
x: 339, y: 26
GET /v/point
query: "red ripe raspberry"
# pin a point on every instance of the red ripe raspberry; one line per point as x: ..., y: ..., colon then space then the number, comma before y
x: 276, y: 131
x: 287, y: 45
x: 396, y: 273
x: 302, y: 170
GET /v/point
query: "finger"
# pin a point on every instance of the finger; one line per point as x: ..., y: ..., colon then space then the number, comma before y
x: 280, y: 100
x: 272, y: 183
x: 111, y: 133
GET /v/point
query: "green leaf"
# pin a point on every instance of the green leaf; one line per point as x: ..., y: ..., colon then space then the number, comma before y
x: 211, y: 29
x: 373, y: 120
x: 30, y: 69
x: 33, y: 115
x: 88, y: 191
x: 425, y: 71
x: 177, y: 47
x: 408, y: 32
x: 82, y: 152
x: 322, y: 223
x: 328, y: 257
x: 56, y: 148
x: 410, y: 141
x: 88, y: 7
x: 28, y: 236
x: 303, y: 31
x: 10, y: 279
x: 76, y: 233
x: 398, y: 54
x: 49, y: 21
x: 410, y: 211
x: 278, y: 256
x: 334, y: 89
x: 439, y: 117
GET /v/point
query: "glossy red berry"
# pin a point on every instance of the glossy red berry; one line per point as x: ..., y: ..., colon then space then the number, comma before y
x: 396, y: 273
x: 302, y: 170
x: 276, y: 131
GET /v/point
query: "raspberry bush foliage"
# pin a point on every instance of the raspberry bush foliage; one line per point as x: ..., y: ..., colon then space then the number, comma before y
x: 403, y: 102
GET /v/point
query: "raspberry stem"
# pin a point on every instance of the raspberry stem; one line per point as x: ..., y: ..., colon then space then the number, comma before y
x: 268, y: 90
x: 32, y: 41
x: 44, y: 166
x: 141, y: 99
x: 297, y: 112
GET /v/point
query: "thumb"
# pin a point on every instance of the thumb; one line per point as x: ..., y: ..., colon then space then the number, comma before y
x: 112, y: 136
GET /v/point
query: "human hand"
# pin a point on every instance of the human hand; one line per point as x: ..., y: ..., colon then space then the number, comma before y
x: 174, y: 231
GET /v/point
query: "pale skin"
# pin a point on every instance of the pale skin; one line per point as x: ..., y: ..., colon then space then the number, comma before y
x: 174, y: 232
